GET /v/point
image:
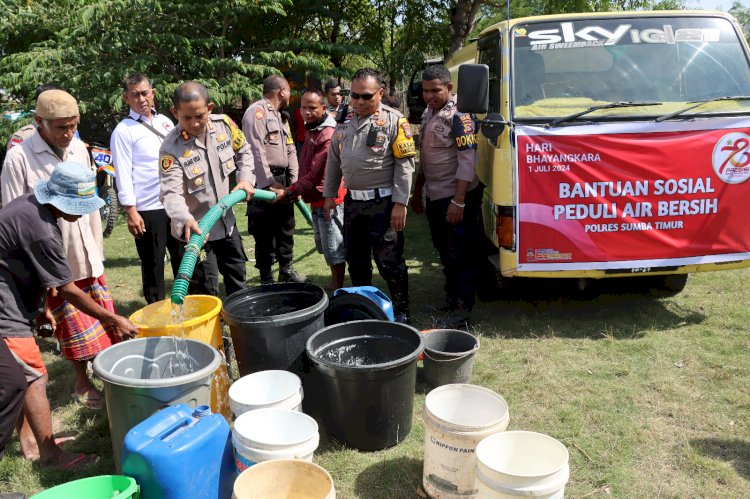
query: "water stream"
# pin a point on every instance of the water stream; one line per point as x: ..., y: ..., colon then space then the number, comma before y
x: 172, y: 317
x: 181, y: 363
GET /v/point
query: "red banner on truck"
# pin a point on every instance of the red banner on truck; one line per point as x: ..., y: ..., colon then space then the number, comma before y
x: 633, y: 195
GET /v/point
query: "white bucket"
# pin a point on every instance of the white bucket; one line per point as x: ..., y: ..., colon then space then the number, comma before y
x: 264, y: 390
x: 284, y: 479
x: 456, y: 418
x: 521, y: 463
x: 267, y: 434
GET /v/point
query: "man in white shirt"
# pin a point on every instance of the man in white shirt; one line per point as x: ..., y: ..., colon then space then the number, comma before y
x: 135, y: 145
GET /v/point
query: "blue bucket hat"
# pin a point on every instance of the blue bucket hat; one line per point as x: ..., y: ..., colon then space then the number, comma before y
x: 71, y: 189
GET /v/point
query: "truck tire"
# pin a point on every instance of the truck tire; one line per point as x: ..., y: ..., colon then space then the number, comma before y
x: 110, y: 210
x: 665, y: 286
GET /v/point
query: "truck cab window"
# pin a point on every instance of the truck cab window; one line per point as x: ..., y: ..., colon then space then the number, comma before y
x: 565, y: 67
x: 489, y: 54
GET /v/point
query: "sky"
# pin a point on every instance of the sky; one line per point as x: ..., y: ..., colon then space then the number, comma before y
x: 724, y: 5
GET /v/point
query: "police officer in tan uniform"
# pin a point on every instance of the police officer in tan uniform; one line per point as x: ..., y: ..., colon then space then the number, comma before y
x: 266, y: 126
x: 454, y: 196
x: 374, y: 150
x: 196, y: 160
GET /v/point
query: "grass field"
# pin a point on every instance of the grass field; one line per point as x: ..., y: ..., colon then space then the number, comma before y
x: 650, y: 396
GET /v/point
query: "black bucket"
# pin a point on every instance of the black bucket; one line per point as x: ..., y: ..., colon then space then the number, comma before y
x: 449, y: 356
x: 367, y: 371
x: 271, y: 324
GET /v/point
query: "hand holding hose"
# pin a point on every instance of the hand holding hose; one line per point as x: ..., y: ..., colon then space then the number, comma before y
x: 191, y: 227
x: 280, y: 192
x: 247, y: 187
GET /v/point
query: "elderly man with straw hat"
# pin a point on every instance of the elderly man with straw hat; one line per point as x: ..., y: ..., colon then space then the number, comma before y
x: 81, y: 336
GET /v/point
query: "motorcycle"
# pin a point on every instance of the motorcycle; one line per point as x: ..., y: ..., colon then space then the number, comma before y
x: 105, y: 185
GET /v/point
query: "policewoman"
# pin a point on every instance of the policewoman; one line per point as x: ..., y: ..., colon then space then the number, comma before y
x: 196, y: 160
x: 373, y: 150
x: 266, y: 126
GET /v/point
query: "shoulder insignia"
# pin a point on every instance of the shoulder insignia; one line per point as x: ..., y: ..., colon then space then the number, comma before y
x: 403, y: 146
x: 187, y: 153
x: 259, y: 114
x: 464, y: 132
x: 166, y: 163
x: 238, y: 138
x: 14, y: 141
x: 289, y: 138
x: 406, y: 127
x: 185, y: 136
x: 229, y: 121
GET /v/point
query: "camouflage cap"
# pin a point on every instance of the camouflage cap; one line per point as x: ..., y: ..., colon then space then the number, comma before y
x: 54, y: 104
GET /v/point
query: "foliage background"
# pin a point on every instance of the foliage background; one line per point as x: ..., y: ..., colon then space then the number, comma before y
x: 88, y: 46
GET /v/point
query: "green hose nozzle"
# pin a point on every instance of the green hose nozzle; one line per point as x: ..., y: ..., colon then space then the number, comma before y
x: 194, y: 245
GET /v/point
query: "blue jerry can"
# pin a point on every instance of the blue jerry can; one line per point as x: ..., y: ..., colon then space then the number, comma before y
x: 180, y: 452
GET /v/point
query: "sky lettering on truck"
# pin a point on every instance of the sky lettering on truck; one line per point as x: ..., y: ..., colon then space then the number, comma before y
x: 569, y: 35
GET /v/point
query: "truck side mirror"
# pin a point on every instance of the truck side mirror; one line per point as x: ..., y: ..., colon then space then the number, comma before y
x: 492, y: 125
x: 473, y: 88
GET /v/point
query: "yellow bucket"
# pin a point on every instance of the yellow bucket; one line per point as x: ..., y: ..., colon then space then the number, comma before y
x: 200, y: 322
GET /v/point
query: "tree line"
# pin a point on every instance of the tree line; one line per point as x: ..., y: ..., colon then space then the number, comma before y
x: 88, y: 46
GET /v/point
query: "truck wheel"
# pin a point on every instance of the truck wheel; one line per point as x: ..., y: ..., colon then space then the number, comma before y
x: 665, y: 286
x: 110, y: 210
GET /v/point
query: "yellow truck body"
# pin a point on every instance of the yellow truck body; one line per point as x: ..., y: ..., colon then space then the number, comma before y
x: 587, y: 100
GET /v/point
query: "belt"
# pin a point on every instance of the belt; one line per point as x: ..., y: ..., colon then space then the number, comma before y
x: 368, y: 194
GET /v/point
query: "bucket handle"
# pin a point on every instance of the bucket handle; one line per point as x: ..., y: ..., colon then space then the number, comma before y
x: 467, y: 354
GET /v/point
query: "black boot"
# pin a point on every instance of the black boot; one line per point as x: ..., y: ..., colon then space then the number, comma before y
x: 288, y: 274
x: 457, y: 319
x: 266, y: 276
x: 400, y: 297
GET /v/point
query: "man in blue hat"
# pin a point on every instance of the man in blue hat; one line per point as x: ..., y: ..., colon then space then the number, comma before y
x: 32, y: 260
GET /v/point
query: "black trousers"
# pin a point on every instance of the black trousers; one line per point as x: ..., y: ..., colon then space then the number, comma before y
x: 365, y: 238
x: 461, y: 246
x: 222, y: 255
x: 151, y: 248
x: 272, y: 227
x: 12, y: 389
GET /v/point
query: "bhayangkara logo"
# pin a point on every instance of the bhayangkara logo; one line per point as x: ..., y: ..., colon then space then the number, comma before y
x: 731, y: 158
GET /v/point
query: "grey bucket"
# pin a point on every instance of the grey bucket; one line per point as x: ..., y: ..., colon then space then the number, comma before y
x: 448, y: 356
x: 136, y: 383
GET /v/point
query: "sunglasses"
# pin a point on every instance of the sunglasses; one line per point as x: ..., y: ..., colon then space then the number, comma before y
x: 356, y: 96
